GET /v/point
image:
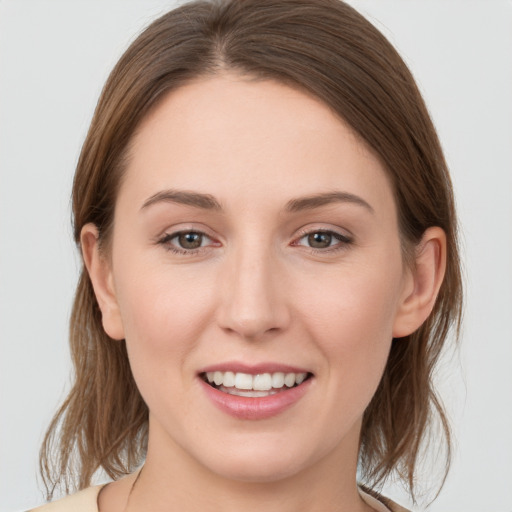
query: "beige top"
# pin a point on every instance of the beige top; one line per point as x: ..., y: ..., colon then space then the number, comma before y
x: 87, y: 501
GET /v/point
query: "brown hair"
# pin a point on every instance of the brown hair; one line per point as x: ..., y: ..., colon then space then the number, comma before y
x: 327, y: 49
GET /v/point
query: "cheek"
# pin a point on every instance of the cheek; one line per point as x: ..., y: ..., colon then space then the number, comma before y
x: 351, y: 316
x: 163, y: 311
x: 353, y: 307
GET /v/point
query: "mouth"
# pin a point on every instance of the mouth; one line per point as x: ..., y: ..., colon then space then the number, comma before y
x: 254, y: 386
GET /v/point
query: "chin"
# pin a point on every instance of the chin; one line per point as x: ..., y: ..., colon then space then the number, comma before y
x: 260, y: 473
x: 261, y: 460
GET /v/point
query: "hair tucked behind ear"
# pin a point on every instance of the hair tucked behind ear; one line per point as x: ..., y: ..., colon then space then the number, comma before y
x: 327, y: 49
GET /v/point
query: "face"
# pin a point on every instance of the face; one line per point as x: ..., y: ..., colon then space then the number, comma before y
x: 256, y: 275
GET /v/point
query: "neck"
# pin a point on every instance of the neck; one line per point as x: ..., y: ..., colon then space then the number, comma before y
x: 173, y: 480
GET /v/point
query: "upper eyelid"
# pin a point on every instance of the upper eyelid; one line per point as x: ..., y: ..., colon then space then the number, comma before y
x: 172, y: 234
x: 175, y: 231
x: 336, y: 231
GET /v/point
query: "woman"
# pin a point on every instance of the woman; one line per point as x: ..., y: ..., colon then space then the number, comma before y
x: 270, y: 268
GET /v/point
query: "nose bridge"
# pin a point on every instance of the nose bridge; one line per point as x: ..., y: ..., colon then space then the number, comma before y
x: 253, y: 302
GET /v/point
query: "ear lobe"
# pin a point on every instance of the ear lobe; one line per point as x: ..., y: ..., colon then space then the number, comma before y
x: 424, y: 282
x: 100, y: 273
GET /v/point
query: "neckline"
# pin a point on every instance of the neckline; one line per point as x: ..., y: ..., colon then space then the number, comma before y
x: 376, y: 504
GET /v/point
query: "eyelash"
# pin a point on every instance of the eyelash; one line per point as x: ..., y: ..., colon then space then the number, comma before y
x: 343, y: 242
x: 168, y: 237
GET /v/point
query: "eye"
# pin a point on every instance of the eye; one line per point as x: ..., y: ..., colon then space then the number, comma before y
x: 323, y: 239
x: 320, y: 240
x: 185, y: 242
x: 189, y: 240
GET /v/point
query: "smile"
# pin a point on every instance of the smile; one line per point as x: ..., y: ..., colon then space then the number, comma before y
x: 253, y: 386
x: 255, y: 396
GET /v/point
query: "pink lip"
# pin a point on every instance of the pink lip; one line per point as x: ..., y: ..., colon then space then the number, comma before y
x: 255, y: 408
x: 252, y: 369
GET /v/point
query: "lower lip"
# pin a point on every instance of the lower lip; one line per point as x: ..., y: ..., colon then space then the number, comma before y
x: 256, y: 408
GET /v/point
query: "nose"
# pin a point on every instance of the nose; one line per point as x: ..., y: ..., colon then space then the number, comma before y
x: 253, y: 301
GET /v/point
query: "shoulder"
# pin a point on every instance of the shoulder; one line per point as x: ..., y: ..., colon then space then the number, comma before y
x: 82, y: 501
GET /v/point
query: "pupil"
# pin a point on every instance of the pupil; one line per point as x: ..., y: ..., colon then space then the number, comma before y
x: 319, y: 240
x: 190, y: 240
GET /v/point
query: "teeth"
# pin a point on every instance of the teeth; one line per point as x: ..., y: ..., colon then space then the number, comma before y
x: 289, y: 380
x: 299, y: 378
x: 261, y: 382
x: 243, y: 381
x: 228, y: 379
x: 278, y: 380
x: 249, y: 394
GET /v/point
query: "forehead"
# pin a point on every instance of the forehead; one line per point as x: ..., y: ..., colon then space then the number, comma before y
x: 228, y: 135
x: 216, y: 104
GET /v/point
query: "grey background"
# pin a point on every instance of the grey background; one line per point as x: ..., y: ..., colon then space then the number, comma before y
x: 55, y: 56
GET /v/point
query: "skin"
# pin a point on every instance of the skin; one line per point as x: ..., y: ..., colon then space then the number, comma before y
x: 256, y: 291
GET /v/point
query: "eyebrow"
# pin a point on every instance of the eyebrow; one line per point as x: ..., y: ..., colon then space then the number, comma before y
x: 197, y: 199
x: 208, y: 202
x: 318, y: 200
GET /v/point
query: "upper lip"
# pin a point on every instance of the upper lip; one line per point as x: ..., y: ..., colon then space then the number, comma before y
x: 252, y: 369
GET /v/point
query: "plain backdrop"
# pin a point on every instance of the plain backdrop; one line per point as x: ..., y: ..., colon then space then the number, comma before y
x: 54, y: 59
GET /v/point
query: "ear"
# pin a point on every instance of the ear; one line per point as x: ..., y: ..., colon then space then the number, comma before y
x: 422, y: 283
x: 100, y: 273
